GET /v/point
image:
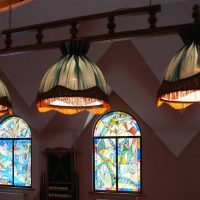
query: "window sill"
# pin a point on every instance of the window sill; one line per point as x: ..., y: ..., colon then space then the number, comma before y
x: 118, y: 193
x: 16, y: 188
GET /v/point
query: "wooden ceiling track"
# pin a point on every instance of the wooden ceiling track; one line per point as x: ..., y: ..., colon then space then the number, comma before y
x: 152, y: 30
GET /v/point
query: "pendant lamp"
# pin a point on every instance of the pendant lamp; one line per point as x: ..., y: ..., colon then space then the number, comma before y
x: 5, y: 103
x: 74, y: 83
x: 181, y: 81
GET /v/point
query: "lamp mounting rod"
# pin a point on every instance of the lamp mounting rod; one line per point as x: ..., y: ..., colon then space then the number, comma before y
x: 167, y: 30
x: 152, y: 30
x: 73, y: 22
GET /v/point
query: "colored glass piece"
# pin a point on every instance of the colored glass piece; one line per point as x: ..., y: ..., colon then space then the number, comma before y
x: 105, y: 164
x: 129, y: 164
x: 15, y: 152
x: 6, y: 170
x: 22, y: 162
x: 116, y: 124
x: 14, y: 127
x: 117, y: 153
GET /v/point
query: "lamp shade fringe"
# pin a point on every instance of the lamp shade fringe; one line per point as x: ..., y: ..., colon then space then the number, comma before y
x: 97, y: 110
x: 67, y: 95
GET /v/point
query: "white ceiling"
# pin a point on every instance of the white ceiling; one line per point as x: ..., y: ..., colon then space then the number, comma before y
x: 132, y: 68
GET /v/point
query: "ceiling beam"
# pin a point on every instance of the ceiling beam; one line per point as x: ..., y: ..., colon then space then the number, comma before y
x: 166, y: 30
x: 111, y: 34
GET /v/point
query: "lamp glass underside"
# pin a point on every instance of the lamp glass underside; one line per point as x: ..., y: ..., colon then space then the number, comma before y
x: 189, y: 96
x: 75, y: 102
x: 3, y: 108
x: 73, y: 105
x: 180, y: 99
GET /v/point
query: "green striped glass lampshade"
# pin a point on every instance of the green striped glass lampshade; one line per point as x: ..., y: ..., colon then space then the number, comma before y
x: 5, y: 103
x: 181, y: 81
x: 74, y: 83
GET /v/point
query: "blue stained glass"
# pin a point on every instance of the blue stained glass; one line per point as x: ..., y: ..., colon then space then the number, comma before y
x: 15, y: 152
x: 116, y: 124
x: 105, y: 164
x: 6, y: 171
x: 128, y: 164
x: 14, y: 127
x: 117, y: 153
x: 22, y: 162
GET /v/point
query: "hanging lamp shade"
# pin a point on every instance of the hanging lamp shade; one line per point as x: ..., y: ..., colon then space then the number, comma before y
x: 181, y: 81
x: 5, y: 103
x: 74, y: 83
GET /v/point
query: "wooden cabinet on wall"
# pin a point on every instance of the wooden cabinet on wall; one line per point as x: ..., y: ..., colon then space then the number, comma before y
x: 61, y: 176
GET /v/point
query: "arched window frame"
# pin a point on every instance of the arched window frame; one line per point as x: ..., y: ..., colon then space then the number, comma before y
x: 13, y: 142
x: 116, y: 137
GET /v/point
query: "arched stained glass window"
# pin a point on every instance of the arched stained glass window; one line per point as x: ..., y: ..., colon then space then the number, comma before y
x: 117, y: 153
x: 15, y: 152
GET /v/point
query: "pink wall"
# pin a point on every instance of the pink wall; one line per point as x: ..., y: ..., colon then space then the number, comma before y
x: 165, y: 176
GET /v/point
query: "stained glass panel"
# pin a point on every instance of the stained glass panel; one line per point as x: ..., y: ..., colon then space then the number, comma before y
x: 105, y: 164
x: 116, y: 124
x: 22, y: 162
x: 6, y: 177
x: 14, y: 127
x: 129, y: 164
x: 117, y: 168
